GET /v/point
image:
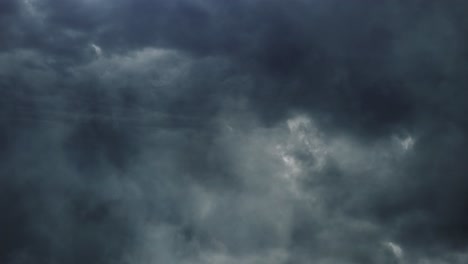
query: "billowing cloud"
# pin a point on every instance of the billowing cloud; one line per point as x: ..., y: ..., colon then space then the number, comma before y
x: 203, y: 131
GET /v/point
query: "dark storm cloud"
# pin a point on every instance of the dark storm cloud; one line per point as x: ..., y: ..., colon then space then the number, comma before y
x: 359, y: 62
x: 233, y: 131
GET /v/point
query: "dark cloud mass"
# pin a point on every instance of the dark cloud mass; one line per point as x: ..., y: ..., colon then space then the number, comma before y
x: 247, y: 131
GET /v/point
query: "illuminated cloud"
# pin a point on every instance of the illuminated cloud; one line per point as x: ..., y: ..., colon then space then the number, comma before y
x: 395, y: 249
x: 97, y: 50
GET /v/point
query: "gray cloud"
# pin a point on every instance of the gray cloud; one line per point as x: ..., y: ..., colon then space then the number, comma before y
x: 202, y: 131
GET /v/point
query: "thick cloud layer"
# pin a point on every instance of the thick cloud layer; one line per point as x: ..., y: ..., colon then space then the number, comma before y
x: 203, y: 131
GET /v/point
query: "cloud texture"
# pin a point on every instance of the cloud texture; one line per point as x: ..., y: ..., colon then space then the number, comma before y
x: 248, y: 131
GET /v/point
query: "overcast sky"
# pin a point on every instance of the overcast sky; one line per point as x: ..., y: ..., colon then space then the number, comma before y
x: 233, y: 132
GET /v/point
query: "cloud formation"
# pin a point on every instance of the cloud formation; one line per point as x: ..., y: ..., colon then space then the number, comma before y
x: 203, y: 131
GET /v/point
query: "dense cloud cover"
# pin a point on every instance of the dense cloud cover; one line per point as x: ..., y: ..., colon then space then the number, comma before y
x: 222, y: 131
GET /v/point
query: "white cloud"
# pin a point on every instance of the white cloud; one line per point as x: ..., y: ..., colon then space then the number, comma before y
x: 97, y: 50
x: 396, y: 250
x: 405, y: 142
